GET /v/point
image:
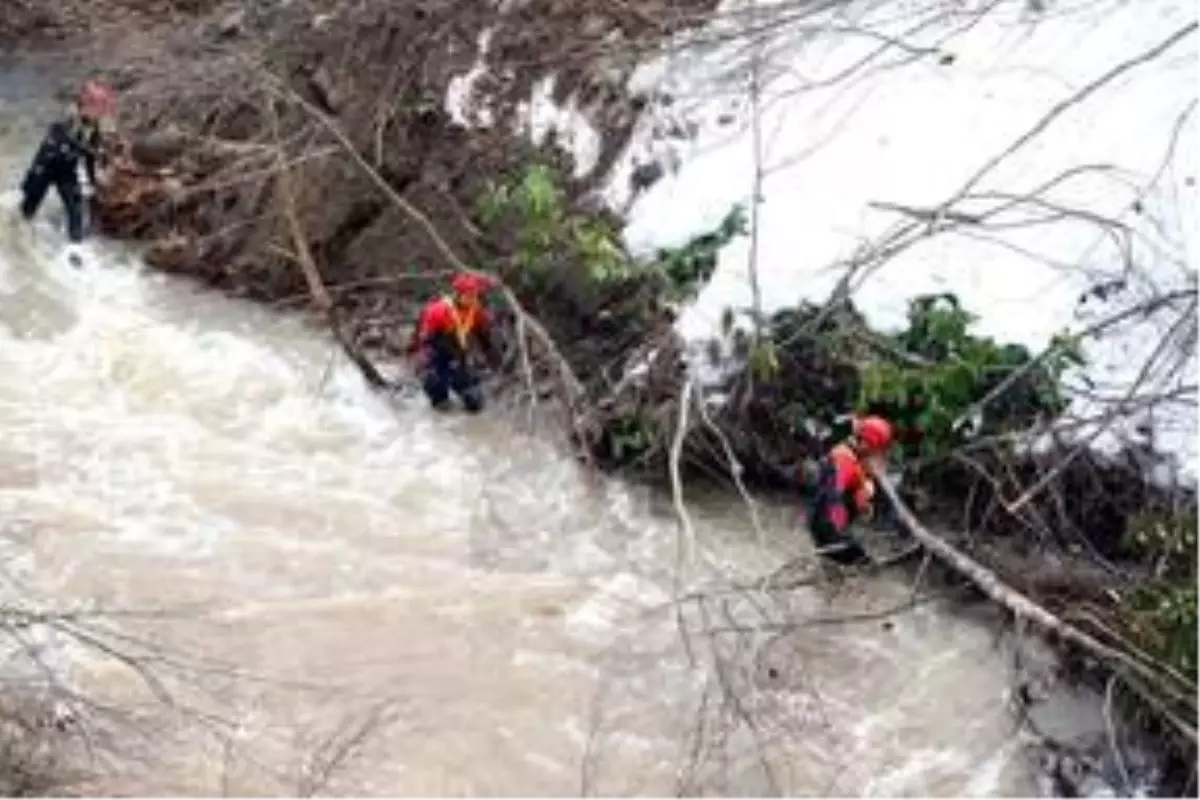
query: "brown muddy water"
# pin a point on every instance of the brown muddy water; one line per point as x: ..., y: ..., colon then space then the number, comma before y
x: 415, y: 604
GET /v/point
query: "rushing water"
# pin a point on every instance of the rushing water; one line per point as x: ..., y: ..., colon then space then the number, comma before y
x: 324, y: 550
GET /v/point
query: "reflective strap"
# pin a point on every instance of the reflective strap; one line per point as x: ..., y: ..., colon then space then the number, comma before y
x: 462, y: 326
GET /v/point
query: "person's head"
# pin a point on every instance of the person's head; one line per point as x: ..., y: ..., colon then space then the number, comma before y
x: 872, y: 436
x: 468, y: 288
x: 95, y: 101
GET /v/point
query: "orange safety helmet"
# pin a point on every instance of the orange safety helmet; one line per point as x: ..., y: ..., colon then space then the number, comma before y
x: 96, y: 99
x: 875, y: 433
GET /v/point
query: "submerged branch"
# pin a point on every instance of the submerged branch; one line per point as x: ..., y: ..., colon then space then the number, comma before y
x: 1024, y: 608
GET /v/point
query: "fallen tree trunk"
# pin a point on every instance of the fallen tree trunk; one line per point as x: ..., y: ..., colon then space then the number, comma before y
x: 312, y: 276
x: 1162, y: 689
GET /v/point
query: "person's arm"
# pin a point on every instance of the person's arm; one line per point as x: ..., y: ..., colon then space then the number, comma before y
x: 802, y: 475
x: 93, y: 156
x: 790, y: 474
x: 89, y: 165
x: 487, y: 342
x: 864, y: 498
x: 51, y: 144
x: 429, y: 323
x: 81, y: 141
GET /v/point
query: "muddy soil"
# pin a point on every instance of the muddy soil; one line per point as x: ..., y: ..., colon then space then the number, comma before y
x: 378, y: 73
x: 35, y: 24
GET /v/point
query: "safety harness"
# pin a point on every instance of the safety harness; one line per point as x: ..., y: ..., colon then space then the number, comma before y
x: 464, y: 324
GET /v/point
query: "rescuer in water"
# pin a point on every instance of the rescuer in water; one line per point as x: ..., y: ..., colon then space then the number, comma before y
x: 841, y: 490
x: 450, y: 330
x: 56, y: 163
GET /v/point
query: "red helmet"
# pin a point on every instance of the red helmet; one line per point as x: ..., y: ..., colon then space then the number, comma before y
x: 875, y: 433
x: 96, y: 99
x: 471, y: 283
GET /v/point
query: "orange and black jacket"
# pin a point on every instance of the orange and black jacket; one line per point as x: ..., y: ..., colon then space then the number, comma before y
x: 448, y: 330
x: 844, y: 489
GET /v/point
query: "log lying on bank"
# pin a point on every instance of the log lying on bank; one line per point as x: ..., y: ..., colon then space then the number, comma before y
x: 1160, y: 687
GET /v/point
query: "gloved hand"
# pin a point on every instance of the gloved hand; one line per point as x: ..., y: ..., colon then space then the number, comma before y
x: 864, y: 501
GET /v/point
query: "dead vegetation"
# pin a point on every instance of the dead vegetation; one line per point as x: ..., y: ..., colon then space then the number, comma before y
x: 31, y: 24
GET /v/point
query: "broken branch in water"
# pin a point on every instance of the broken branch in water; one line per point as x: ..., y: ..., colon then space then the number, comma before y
x: 1163, y: 688
x: 312, y: 276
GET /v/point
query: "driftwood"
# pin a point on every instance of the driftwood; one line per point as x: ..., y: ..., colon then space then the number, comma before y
x: 1161, y: 688
x: 312, y: 276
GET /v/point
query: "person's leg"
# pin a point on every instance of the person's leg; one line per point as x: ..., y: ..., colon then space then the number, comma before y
x: 467, y: 387
x: 834, y: 543
x: 829, y: 521
x: 72, y: 199
x: 33, y: 190
x: 435, y: 380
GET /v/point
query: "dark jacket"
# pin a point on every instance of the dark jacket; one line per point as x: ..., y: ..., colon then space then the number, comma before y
x: 66, y: 143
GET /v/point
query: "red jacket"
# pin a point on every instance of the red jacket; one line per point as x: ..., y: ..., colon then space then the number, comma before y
x: 851, y: 484
x: 851, y: 478
x: 443, y: 322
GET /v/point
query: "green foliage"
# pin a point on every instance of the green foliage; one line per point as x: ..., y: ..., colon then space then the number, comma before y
x: 954, y: 369
x: 1161, y: 614
x: 764, y: 359
x: 1163, y: 620
x: 1167, y: 539
x: 689, y: 267
x: 805, y: 366
x: 534, y: 208
x: 630, y: 436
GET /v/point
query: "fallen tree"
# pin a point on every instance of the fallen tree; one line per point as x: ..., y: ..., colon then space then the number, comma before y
x: 1160, y: 684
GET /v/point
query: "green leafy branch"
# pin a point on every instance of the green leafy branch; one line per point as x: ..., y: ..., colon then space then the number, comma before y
x: 533, y: 207
x: 950, y: 369
x: 689, y: 267
x: 1161, y: 613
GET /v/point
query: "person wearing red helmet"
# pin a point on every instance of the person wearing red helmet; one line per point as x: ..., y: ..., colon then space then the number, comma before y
x: 56, y: 162
x: 447, y: 334
x: 842, y: 489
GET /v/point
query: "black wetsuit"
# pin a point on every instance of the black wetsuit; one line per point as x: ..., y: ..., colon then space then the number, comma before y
x: 57, y: 163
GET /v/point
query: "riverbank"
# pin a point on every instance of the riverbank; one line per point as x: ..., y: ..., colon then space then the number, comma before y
x: 326, y: 152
